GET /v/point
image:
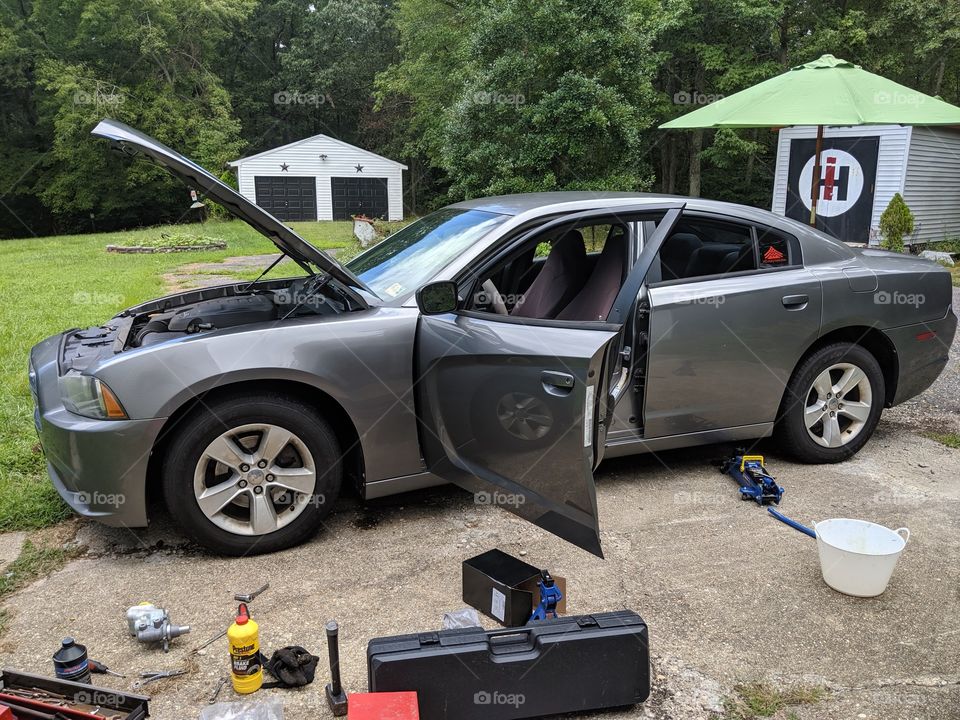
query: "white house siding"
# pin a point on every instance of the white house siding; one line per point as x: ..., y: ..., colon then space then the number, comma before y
x: 932, y: 187
x: 303, y: 160
x: 891, y: 162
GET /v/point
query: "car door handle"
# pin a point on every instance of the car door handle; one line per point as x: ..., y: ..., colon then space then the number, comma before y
x: 556, y: 383
x: 795, y: 302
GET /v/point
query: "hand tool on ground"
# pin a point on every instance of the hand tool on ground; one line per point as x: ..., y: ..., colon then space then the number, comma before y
x: 100, y: 669
x: 150, y: 676
x: 216, y: 691
x: 550, y: 596
x: 336, y: 697
x: 754, y: 480
x: 239, y: 597
x: 150, y: 624
x: 249, y: 597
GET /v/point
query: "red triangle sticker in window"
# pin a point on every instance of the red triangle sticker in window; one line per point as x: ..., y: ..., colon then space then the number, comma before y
x: 772, y: 255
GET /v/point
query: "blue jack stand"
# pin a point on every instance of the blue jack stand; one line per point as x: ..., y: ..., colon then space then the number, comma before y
x: 550, y: 596
x: 755, y: 482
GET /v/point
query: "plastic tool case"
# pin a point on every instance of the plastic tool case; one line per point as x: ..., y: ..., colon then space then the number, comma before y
x: 571, y: 664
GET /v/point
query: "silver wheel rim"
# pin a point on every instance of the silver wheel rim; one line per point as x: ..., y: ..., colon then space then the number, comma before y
x: 838, y: 405
x: 254, y: 479
x: 524, y: 416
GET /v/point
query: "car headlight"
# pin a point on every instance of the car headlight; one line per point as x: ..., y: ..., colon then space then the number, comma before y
x: 86, y: 395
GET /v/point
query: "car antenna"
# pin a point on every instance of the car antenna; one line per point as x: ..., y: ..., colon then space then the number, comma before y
x: 260, y: 276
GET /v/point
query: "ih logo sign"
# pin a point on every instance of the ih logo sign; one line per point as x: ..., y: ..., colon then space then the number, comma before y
x: 841, y: 182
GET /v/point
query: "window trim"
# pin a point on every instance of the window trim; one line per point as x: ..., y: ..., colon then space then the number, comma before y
x: 468, y: 279
x: 793, y: 249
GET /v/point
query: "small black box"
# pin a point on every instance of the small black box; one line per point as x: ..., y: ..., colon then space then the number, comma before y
x: 504, y: 588
x: 565, y: 665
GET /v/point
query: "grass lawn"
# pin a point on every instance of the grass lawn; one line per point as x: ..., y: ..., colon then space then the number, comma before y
x: 51, y: 284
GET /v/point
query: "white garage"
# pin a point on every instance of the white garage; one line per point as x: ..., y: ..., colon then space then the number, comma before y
x: 322, y: 178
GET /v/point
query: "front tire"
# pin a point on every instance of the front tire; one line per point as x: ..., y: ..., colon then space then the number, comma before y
x: 252, y: 475
x: 832, y: 404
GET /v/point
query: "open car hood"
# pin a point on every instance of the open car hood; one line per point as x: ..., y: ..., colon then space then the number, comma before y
x: 132, y: 142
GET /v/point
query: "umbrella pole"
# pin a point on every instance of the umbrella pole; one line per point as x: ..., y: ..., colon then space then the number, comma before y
x: 815, y: 180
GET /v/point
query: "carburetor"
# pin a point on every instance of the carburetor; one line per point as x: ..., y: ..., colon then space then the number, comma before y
x: 151, y: 624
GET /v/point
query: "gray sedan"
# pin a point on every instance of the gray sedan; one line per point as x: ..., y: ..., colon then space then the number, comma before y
x: 507, y: 345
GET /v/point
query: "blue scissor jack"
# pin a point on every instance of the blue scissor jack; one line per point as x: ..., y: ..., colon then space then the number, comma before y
x: 754, y: 480
x: 550, y: 596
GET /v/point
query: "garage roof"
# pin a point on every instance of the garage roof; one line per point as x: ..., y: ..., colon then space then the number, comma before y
x: 321, y: 136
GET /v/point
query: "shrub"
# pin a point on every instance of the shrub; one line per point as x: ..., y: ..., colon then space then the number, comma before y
x: 896, y: 221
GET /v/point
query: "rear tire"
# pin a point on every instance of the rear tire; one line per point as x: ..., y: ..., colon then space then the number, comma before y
x: 832, y: 404
x: 252, y: 475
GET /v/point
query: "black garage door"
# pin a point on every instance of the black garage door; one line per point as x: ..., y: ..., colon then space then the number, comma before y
x: 287, y: 198
x: 359, y: 196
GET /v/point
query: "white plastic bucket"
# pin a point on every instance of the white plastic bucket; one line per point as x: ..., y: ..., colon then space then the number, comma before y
x: 858, y: 557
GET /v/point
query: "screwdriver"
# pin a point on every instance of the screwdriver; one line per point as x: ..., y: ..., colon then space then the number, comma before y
x: 101, y: 669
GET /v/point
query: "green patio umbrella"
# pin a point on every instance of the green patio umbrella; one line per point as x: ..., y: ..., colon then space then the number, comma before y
x: 828, y: 91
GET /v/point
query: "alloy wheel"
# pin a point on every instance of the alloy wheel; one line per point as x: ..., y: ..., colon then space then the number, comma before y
x: 255, y: 479
x: 838, y: 405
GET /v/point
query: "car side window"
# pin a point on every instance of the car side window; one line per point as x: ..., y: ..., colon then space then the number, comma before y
x: 699, y: 247
x: 777, y: 249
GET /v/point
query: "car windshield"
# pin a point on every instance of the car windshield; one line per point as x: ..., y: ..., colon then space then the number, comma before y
x: 412, y: 256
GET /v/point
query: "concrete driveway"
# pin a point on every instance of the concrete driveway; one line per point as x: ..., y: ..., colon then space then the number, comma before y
x: 730, y: 595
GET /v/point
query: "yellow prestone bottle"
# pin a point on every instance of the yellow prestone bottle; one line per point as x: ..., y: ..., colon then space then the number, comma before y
x: 245, y: 669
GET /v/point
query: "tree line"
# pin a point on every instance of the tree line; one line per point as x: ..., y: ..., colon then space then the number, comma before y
x: 477, y: 97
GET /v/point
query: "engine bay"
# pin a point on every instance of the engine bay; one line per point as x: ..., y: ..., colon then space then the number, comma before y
x: 266, y: 302
x: 205, y: 310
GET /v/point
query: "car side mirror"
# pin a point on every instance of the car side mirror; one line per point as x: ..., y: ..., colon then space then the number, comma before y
x: 437, y: 298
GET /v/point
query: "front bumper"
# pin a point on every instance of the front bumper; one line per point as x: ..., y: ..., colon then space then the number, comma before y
x: 921, y: 356
x: 99, y: 467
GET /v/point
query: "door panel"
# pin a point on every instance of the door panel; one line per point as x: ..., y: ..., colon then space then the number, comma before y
x: 721, y: 351
x: 512, y: 416
x: 289, y: 199
x: 359, y: 196
x: 517, y: 410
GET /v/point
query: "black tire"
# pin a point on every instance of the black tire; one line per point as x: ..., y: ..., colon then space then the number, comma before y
x: 197, y: 431
x: 791, y: 433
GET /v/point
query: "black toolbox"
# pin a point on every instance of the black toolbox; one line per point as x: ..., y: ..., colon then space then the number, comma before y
x: 570, y: 664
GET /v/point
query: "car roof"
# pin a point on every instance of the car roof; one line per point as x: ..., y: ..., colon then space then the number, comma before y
x: 554, y: 202
x: 525, y: 202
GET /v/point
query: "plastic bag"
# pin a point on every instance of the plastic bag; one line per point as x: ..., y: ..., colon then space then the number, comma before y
x: 464, y: 618
x: 246, y: 710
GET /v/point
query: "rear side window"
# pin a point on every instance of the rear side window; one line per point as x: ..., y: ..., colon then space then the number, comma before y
x: 776, y: 249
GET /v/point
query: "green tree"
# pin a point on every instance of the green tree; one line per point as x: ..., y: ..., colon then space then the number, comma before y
x: 895, y: 222
x: 555, y: 96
